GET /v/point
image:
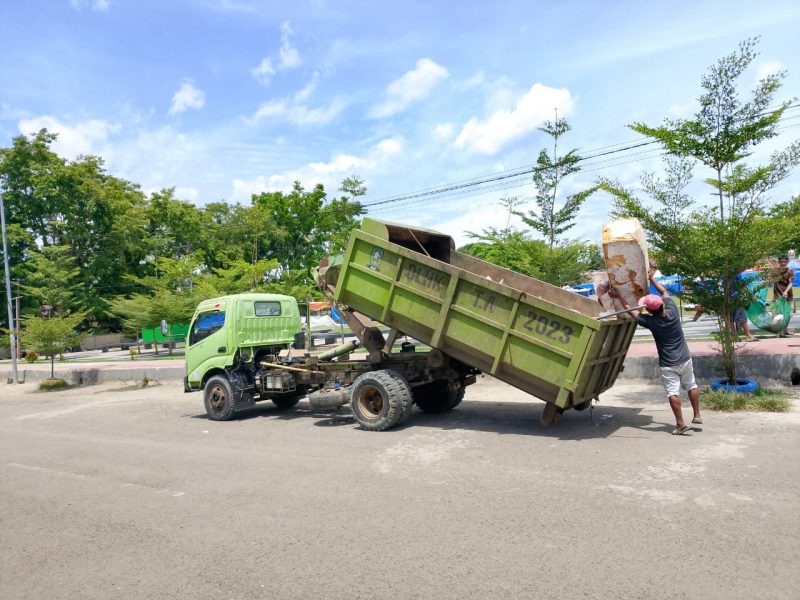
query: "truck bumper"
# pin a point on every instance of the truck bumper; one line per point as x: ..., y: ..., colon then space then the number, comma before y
x: 186, y: 387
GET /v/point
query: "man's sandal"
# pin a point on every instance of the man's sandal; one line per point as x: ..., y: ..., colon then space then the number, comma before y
x: 681, y: 430
x: 697, y: 421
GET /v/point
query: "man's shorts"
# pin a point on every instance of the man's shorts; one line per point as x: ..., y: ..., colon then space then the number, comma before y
x: 676, y: 377
x: 739, y: 316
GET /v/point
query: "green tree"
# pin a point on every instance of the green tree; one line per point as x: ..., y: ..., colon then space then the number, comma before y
x: 52, y: 278
x: 172, y: 295
x: 712, y: 245
x: 241, y: 276
x: 52, y: 336
x: 133, y: 315
x: 54, y: 202
x: 308, y: 226
x: 175, y: 228
x: 789, y: 213
x: 509, y: 249
x: 549, y: 219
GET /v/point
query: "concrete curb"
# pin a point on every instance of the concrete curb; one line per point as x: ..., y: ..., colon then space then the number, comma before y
x: 775, y: 367
x: 91, y: 375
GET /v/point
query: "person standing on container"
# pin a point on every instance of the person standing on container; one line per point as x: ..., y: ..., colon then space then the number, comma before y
x: 674, y: 359
x: 783, y: 288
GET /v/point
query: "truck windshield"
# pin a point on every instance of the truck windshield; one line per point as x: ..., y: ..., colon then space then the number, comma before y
x: 205, y: 325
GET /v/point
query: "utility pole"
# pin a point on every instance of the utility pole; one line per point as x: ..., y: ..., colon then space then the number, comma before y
x: 13, y: 335
x: 19, y: 340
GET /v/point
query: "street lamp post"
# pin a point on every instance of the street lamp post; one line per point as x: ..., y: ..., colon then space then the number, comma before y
x: 8, y: 292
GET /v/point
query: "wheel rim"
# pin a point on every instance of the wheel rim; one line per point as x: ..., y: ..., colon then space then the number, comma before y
x: 370, y: 402
x: 218, y: 399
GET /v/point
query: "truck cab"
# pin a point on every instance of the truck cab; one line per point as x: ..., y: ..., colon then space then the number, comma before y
x: 229, y: 330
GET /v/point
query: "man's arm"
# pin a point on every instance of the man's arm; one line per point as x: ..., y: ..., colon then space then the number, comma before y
x: 614, y: 293
x: 790, y: 274
x: 659, y: 288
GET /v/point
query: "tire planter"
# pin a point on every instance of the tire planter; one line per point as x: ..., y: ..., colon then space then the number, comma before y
x: 743, y: 386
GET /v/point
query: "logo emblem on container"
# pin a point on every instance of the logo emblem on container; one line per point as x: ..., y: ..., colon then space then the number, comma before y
x: 375, y: 259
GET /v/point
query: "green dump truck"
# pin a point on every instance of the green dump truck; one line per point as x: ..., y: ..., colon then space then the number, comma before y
x: 474, y: 316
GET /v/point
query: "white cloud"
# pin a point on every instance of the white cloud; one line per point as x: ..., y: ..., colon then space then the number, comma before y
x: 506, y: 125
x: 682, y: 110
x: 74, y: 140
x: 187, y: 193
x: 443, y: 131
x: 769, y: 68
x: 290, y: 58
x: 264, y: 71
x: 299, y: 114
x: 308, y: 89
x: 410, y: 87
x: 474, y: 215
x: 187, y: 97
x: 95, y: 5
x: 390, y: 147
x: 341, y: 163
x: 473, y: 82
x: 329, y: 174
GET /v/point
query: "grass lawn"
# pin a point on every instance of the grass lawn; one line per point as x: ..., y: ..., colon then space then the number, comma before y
x: 763, y: 400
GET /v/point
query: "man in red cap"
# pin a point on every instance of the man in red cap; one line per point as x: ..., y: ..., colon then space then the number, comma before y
x: 664, y: 322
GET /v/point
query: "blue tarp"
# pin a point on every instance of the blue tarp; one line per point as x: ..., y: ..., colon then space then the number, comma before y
x: 583, y: 289
x: 672, y: 283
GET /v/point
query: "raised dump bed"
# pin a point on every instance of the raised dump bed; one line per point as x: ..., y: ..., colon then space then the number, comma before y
x: 537, y: 337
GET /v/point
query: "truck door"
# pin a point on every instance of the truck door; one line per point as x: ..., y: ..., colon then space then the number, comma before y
x: 207, y: 344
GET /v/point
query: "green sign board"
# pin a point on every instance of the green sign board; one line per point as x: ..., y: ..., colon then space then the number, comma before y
x: 153, y: 334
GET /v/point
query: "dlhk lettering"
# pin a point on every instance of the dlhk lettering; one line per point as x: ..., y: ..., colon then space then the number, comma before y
x: 425, y: 277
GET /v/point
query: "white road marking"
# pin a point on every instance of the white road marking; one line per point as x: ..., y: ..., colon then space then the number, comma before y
x: 50, y: 414
x: 82, y: 476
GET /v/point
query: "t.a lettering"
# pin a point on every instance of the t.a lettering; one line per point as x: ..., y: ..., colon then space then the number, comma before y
x: 484, y: 301
x: 425, y: 277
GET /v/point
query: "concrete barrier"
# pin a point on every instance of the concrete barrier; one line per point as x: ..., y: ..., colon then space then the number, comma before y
x: 92, y: 376
x: 762, y: 367
x: 775, y: 367
x: 95, y: 342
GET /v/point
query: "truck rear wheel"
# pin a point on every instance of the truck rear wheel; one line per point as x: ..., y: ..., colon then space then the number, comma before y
x: 218, y: 398
x: 380, y: 400
x: 289, y: 400
x: 439, y: 396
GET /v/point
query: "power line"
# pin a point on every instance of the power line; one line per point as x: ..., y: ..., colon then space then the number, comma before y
x: 483, y: 183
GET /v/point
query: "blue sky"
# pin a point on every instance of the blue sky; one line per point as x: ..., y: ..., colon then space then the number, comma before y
x: 224, y: 98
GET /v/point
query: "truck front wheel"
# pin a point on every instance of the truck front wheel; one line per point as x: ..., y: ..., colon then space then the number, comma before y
x: 380, y: 400
x: 218, y: 398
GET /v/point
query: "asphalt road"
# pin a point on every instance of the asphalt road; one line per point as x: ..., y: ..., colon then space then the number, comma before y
x: 132, y: 493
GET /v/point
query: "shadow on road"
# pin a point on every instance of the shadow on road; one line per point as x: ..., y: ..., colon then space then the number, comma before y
x: 523, y: 419
x: 512, y: 418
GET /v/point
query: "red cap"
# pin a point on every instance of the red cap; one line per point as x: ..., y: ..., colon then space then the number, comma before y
x: 651, y: 302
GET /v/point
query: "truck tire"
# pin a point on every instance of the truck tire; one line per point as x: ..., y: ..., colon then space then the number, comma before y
x: 439, y: 396
x: 380, y: 400
x: 218, y: 398
x: 289, y: 400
